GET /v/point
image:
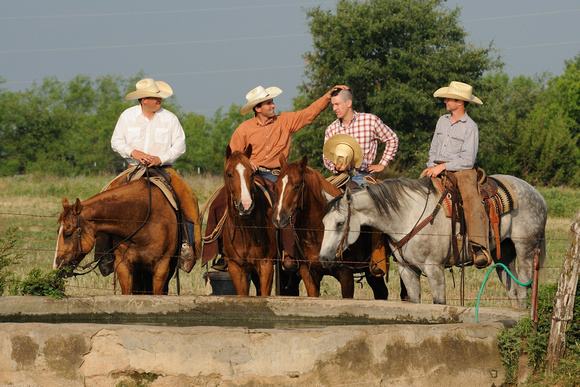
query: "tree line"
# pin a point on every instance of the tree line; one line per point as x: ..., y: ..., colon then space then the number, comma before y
x: 393, y: 54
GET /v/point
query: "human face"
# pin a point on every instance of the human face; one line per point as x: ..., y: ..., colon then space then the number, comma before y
x: 151, y: 104
x: 267, y: 109
x: 452, y: 104
x: 340, y: 106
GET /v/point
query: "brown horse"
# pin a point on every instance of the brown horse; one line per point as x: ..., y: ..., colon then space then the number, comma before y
x: 249, y: 239
x: 301, y: 204
x: 145, y: 234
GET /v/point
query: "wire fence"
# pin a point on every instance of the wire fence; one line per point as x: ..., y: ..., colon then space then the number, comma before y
x: 37, y: 237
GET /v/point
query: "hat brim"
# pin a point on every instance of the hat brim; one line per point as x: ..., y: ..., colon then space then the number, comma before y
x: 165, y: 91
x: 332, y: 142
x: 445, y: 93
x: 272, y: 92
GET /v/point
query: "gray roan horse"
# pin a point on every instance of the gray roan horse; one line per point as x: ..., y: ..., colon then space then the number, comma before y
x: 396, y: 206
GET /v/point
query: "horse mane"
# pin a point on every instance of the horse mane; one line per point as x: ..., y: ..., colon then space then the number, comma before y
x: 64, y: 214
x: 317, y: 183
x: 388, y: 194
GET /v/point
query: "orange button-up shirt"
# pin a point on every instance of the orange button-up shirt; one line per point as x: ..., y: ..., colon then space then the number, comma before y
x: 272, y: 139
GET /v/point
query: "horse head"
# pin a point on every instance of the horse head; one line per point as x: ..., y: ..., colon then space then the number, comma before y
x: 341, y: 228
x: 75, y: 236
x: 239, y: 180
x: 289, y: 191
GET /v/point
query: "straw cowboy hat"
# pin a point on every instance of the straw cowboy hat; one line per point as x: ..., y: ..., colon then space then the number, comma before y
x: 343, y: 148
x: 458, y: 90
x: 149, y: 88
x: 257, y: 95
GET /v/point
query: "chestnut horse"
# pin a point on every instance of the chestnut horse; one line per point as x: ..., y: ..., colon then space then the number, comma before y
x: 301, y: 205
x: 249, y: 239
x: 144, y: 228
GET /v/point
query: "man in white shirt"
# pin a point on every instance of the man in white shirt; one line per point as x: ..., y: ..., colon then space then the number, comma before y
x: 151, y: 135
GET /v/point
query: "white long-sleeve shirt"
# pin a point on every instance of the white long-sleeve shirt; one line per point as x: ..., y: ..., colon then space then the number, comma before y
x: 161, y: 136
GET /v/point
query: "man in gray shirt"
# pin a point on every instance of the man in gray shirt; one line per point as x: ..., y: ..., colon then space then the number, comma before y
x: 454, y: 148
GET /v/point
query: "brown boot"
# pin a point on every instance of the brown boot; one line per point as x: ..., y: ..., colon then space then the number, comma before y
x: 288, y: 263
x: 187, y: 258
x: 481, y: 258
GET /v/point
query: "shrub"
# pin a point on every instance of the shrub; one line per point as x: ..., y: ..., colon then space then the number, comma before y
x: 7, y: 257
x: 50, y: 284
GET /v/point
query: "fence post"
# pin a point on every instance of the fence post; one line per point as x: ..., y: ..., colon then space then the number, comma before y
x: 564, y: 301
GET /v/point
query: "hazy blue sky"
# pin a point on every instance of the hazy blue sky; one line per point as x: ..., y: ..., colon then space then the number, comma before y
x: 212, y: 52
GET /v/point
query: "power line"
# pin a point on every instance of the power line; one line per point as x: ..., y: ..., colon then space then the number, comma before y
x: 522, y: 15
x: 164, y: 12
x: 140, y: 45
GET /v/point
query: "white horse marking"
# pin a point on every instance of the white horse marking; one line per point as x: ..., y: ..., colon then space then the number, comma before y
x: 246, y: 198
x: 284, y: 183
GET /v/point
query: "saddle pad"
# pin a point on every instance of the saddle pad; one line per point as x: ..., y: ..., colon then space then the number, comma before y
x: 504, y: 199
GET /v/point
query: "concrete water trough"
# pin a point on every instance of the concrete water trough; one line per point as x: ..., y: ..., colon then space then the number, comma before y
x: 246, y: 341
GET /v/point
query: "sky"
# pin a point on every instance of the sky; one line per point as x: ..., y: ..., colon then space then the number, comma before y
x: 212, y: 52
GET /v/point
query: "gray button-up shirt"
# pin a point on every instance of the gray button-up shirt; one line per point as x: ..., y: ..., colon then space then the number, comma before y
x: 454, y: 144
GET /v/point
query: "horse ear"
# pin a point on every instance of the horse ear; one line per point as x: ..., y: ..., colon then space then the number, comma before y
x: 228, y: 151
x: 304, y: 162
x: 65, y: 203
x: 348, y: 194
x: 328, y: 196
x: 77, y: 207
x: 248, y: 151
x: 282, y: 160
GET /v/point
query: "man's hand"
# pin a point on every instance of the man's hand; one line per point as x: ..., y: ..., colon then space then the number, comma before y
x: 340, y: 166
x: 375, y: 168
x: 145, y: 159
x: 337, y: 87
x: 433, y: 171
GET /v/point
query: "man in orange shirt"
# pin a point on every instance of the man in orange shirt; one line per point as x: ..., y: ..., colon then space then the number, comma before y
x: 270, y: 135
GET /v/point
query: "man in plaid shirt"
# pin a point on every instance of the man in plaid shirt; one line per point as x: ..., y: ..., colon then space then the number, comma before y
x: 366, y: 129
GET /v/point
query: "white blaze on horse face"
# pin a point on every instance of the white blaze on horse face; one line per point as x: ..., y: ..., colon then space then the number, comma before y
x: 281, y: 199
x: 54, y: 264
x: 246, y: 198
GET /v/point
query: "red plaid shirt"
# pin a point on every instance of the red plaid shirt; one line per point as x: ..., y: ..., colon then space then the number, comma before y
x: 366, y: 129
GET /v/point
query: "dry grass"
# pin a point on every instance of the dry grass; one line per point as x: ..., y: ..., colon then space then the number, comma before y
x: 32, y: 205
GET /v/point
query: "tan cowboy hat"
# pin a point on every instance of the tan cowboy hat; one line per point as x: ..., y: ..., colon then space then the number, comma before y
x: 458, y: 90
x: 343, y: 148
x: 257, y: 95
x: 149, y: 88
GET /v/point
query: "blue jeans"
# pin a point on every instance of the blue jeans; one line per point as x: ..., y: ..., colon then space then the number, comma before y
x: 358, y: 178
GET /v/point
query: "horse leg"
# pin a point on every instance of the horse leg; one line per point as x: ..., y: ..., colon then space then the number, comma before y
x: 346, y: 279
x: 312, y: 287
x: 161, y: 276
x: 239, y: 278
x: 516, y: 293
x: 266, y: 271
x: 436, y: 277
x: 378, y: 285
x: 412, y: 281
x: 125, y: 277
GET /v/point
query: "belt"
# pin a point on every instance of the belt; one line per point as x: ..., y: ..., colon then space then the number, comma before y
x: 273, y: 171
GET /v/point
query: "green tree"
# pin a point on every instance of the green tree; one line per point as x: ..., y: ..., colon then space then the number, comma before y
x: 393, y: 54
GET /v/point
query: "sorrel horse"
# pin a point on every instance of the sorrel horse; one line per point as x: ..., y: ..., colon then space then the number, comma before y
x: 249, y: 239
x: 144, y: 229
x: 300, y: 204
x: 396, y: 206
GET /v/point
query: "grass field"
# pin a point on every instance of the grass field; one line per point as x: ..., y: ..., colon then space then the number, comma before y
x: 32, y: 203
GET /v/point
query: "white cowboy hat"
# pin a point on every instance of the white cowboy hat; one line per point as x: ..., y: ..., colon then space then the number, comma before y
x: 343, y: 148
x: 458, y: 90
x: 149, y: 88
x: 257, y: 95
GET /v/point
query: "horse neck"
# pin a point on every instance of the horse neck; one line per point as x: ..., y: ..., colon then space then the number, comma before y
x: 310, y: 211
x: 412, y: 208
x: 115, y: 212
